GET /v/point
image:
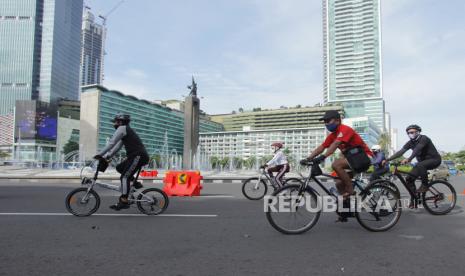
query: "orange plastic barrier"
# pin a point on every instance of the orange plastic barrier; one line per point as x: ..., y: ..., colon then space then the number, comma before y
x: 182, y: 183
x: 144, y: 173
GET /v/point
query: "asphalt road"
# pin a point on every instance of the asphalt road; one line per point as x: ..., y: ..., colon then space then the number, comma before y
x: 234, y: 239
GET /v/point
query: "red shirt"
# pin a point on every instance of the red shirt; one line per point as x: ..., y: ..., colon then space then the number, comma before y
x: 349, y: 139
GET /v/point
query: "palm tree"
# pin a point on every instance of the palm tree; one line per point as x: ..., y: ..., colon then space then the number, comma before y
x: 384, y: 141
x: 214, y: 161
x: 250, y: 162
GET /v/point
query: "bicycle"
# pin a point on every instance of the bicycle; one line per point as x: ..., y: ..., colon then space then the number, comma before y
x: 433, y: 200
x: 255, y: 188
x: 85, y: 201
x: 302, y: 194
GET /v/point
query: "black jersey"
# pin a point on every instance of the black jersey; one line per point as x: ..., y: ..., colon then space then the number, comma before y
x: 422, y: 148
x: 124, y: 135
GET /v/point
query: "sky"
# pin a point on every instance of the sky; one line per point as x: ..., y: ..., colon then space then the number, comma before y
x: 268, y: 53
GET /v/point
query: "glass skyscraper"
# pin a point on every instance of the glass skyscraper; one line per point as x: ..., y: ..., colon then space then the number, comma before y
x: 93, y: 51
x: 20, y: 46
x: 39, y: 61
x: 352, y: 58
x: 39, y: 50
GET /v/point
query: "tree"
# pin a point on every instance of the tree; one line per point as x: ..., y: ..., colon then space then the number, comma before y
x: 215, y: 162
x: 241, y: 109
x: 249, y: 163
x: 4, y: 154
x: 70, y: 146
x: 237, y: 162
x: 224, y: 162
x: 384, y: 141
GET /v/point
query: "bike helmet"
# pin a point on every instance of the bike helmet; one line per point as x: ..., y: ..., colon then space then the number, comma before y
x: 125, y: 118
x: 416, y: 127
x: 277, y: 144
x: 376, y: 148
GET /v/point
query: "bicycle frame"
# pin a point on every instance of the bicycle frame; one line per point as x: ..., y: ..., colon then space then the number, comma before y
x: 399, y: 175
x: 118, y: 188
x: 355, y: 182
x: 269, y: 180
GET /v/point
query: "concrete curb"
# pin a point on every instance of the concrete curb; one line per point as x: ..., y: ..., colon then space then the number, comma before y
x: 74, y: 179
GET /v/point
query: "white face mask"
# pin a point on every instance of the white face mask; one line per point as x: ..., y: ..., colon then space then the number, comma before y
x: 413, y: 136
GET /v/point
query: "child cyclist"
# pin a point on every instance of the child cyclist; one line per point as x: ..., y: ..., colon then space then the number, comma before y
x: 278, y: 164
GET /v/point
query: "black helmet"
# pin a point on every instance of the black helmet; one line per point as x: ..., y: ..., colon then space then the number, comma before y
x: 417, y: 127
x: 125, y: 118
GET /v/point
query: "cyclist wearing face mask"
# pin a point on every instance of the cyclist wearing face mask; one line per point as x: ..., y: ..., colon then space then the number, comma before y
x: 136, y: 156
x: 425, y: 152
x: 278, y: 164
x: 355, y: 151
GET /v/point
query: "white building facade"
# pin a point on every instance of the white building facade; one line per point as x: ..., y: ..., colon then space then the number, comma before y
x: 257, y: 143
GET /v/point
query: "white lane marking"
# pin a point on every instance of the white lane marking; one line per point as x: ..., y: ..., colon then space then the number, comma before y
x: 216, y: 196
x: 412, y: 237
x: 109, y: 215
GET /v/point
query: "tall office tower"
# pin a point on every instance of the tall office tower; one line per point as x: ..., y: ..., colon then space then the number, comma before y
x: 352, y: 58
x: 92, y: 51
x: 39, y: 64
x: 39, y: 50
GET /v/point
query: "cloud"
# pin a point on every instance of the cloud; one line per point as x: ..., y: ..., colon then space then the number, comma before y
x: 424, y: 67
x: 257, y: 53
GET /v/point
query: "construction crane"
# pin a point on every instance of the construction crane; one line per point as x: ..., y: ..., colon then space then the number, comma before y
x: 104, y: 17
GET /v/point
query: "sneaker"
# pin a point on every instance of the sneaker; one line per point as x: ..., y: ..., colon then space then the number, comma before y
x: 137, y: 185
x: 120, y: 205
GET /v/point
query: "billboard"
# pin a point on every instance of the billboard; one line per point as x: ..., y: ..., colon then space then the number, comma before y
x: 35, y: 120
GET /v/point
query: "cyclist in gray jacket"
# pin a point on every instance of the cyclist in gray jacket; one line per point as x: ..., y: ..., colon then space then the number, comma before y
x: 136, y: 156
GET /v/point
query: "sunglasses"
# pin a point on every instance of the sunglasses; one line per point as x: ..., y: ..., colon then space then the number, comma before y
x: 412, y: 132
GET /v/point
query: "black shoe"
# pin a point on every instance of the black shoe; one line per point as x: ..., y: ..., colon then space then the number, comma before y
x: 120, y: 205
x: 413, y: 203
x: 341, y: 219
x: 137, y: 185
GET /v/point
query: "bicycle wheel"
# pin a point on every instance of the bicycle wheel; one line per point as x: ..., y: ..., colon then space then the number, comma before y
x: 380, y: 208
x: 152, y: 201
x: 254, y: 189
x: 300, y: 213
x: 440, y: 198
x: 80, y: 203
x: 388, y: 183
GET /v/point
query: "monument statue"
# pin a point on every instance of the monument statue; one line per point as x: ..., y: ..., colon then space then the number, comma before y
x: 191, y: 126
x: 193, y: 88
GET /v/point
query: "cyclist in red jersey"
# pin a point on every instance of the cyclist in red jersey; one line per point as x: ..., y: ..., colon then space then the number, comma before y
x: 355, y: 151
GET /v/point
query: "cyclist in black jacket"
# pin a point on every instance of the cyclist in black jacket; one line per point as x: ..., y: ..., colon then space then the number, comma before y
x: 136, y: 156
x: 425, y: 152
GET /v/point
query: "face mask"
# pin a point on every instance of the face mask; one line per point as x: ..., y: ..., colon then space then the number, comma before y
x: 413, y: 136
x: 331, y: 127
